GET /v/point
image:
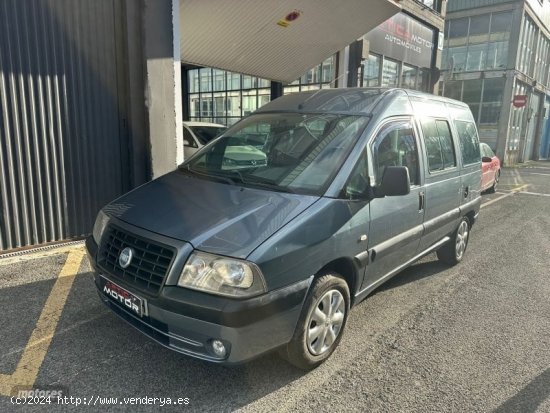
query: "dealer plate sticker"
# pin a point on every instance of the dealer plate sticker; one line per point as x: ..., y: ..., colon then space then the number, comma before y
x: 123, y: 297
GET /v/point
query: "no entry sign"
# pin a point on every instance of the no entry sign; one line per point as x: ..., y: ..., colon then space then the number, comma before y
x: 519, y: 101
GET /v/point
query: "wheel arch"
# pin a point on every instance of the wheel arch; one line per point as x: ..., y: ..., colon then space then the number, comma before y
x: 348, y: 270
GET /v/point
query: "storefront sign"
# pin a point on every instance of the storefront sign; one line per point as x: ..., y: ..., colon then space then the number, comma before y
x: 403, y: 38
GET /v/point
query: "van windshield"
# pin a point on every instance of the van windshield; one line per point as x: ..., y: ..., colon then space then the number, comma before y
x: 290, y: 152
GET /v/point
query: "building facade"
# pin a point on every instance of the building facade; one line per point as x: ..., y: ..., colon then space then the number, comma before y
x: 405, y: 51
x: 494, y: 51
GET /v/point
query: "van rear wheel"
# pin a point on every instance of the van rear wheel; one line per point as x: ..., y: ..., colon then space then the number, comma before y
x: 452, y: 252
x: 321, y: 323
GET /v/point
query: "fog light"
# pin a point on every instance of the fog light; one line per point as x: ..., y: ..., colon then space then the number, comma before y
x: 218, y: 348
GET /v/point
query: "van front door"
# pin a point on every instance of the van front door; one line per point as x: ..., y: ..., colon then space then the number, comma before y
x: 396, y: 221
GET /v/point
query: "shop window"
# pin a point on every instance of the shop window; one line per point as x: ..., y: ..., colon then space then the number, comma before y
x: 390, y: 73
x: 371, y: 71
x: 408, y: 77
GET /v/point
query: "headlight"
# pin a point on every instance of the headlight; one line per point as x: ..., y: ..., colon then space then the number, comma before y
x: 221, y: 275
x: 100, y: 224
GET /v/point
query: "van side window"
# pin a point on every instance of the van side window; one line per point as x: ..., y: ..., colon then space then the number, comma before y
x: 396, y: 145
x: 469, y: 142
x: 439, y: 144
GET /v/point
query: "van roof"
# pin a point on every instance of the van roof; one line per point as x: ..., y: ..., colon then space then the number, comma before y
x: 345, y: 100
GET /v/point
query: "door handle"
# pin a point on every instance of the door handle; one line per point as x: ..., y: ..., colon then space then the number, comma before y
x: 466, y: 191
x: 421, y: 200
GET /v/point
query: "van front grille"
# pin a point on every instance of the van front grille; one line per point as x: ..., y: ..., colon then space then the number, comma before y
x: 149, y: 265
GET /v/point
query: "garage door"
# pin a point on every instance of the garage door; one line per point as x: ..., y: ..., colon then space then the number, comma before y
x: 63, y: 136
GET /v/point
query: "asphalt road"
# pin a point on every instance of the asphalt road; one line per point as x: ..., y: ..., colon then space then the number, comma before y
x: 470, y: 338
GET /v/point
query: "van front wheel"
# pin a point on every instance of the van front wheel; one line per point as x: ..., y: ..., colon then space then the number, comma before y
x: 321, y: 323
x: 452, y: 252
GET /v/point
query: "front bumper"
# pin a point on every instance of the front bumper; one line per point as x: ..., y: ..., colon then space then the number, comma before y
x: 186, y: 321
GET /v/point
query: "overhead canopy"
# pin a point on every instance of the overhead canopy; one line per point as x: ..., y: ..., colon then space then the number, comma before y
x: 277, y: 40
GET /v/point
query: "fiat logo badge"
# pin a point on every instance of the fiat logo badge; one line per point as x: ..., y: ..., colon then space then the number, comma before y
x: 125, y: 257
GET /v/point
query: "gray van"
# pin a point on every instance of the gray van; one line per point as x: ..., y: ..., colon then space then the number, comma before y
x: 227, y: 258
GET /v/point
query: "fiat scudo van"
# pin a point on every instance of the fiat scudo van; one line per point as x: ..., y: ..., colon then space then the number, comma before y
x: 229, y: 257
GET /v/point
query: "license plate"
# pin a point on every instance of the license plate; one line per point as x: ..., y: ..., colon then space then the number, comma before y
x: 125, y: 298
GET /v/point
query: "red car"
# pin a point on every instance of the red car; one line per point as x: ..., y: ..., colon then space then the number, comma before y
x: 490, y: 165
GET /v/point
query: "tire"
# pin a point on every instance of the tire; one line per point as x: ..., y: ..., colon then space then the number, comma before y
x: 311, y: 346
x: 453, y: 251
x: 493, y: 189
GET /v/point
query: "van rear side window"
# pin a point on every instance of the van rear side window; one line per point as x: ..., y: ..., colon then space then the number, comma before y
x: 469, y: 142
x: 439, y: 144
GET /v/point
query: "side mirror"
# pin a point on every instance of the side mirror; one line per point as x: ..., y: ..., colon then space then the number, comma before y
x: 486, y: 159
x: 395, y: 182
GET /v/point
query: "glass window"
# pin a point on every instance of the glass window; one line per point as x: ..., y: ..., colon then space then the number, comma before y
x: 457, y: 58
x: 390, y: 73
x: 493, y: 89
x: 249, y: 82
x: 371, y: 71
x: 193, y: 80
x: 501, y: 24
x: 188, y: 139
x: 497, y: 55
x: 477, y: 55
x: 490, y: 113
x: 439, y: 144
x: 233, y: 81
x: 206, y: 79
x: 474, y: 108
x: 250, y: 103
x: 458, y: 28
x: 446, y: 140
x: 281, y: 151
x: 453, y: 89
x: 395, y: 145
x: 433, y: 146
x: 218, y: 77
x: 479, y: 28
x: 327, y: 70
x: 469, y: 142
x: 205, y: 133
x: 472, y: 91
x: 408, y: 77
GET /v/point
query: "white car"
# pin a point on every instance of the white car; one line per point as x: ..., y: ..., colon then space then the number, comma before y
x: 198, y: 134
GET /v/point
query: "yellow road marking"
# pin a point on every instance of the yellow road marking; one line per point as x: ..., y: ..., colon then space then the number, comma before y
x: 27, y: 369
x: 513, y: 192
x: 38, y: 254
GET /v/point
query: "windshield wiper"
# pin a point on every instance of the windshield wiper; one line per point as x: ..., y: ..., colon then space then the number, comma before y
x: 266, y: 183
x: 211, y: 175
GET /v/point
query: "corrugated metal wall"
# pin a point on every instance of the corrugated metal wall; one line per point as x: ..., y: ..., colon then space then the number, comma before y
x: 63, y: 142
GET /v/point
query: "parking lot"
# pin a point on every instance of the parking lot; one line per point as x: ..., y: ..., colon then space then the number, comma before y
x: 469, y: 338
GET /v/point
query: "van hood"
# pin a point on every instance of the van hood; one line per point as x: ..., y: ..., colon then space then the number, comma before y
x: 214, y: 217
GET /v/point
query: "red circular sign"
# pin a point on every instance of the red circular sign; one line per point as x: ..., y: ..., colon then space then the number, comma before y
x: 519, y: 101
